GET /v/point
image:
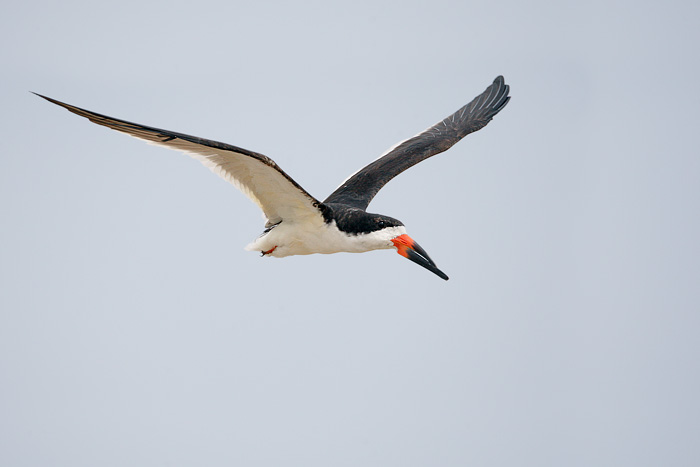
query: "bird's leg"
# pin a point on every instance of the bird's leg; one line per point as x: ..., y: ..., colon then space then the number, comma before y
x: 263, y: 253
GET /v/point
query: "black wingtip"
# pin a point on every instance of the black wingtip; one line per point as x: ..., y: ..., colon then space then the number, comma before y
x: 502, y: 95
x: 503, y: 104
x: 53, y: 101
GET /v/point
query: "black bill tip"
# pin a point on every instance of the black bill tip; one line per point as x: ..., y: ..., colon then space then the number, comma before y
x: 419, y: 256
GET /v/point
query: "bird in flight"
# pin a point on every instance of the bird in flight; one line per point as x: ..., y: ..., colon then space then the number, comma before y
x: 296, y: 222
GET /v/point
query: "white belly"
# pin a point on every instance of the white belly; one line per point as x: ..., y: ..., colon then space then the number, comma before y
x: 290, y: 238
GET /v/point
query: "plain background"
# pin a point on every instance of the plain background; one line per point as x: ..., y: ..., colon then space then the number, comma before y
x: 136, y: 331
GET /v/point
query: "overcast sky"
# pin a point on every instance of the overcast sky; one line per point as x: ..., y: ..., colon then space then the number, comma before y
x: 135, y: 330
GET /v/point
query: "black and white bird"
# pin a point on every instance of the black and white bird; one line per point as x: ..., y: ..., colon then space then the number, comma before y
x: 296, y: 222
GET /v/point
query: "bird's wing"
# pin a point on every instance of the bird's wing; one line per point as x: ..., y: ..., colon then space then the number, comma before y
x: 256, y: 175
x: 361, y: 187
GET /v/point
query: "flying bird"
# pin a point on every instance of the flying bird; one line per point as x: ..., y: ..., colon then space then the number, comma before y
x: 296, y: 222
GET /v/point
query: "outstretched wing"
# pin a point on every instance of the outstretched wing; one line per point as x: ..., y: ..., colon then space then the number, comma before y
x: 360, y: 188
x: 257, y: 176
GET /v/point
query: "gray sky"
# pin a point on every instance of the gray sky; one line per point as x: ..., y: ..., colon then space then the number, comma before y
x: 134, y: 329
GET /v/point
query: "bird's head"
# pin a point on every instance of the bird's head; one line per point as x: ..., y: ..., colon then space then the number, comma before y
x: 395, y: 232
x: 375, y: 231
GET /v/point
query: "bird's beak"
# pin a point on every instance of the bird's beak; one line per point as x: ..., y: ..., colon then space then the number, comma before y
x: 408, y: 248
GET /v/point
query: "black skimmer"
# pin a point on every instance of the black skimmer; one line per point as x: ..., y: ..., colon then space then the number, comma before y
x: 296, y: 222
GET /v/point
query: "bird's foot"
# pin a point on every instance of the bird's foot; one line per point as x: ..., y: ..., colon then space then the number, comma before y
x: 263, y: 253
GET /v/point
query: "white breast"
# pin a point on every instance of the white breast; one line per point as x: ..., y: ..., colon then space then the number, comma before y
x: 294, y: 238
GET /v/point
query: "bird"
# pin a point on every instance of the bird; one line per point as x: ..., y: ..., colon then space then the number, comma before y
x: 297, y: 223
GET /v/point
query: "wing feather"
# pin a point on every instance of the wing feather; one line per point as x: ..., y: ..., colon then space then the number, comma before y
x: 360, y: 188
x: 256, y: 175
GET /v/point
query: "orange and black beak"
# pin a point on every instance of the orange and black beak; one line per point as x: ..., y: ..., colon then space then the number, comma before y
x: 408, y: 248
